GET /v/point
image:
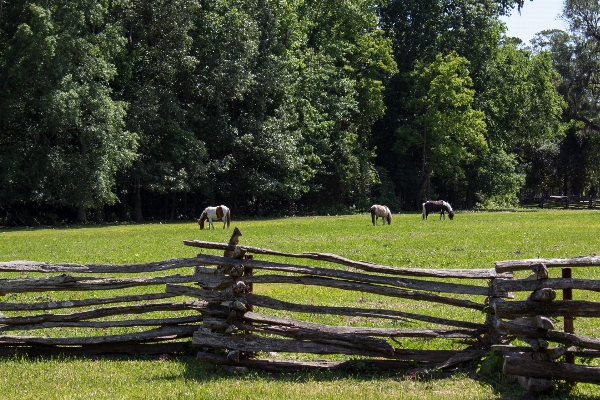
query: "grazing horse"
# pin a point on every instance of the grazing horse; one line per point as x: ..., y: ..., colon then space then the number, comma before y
x: 381, y: 211
x: 210, y: 213
x: 435, y: 206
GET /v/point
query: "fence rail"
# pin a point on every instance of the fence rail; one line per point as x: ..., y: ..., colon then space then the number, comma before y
x: 75, y: 320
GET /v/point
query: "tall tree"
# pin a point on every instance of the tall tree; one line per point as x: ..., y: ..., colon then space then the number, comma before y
x: 419, y: 32
x: 446, y: 129
x: 294, y: 88
x: 576, y: 58
x: 523, y: 112
x: 154, y: 80
x: 243, y: 104
x: 63, y: 133
x: 346, y: 62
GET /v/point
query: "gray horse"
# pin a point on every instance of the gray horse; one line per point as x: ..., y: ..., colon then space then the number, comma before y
x: 381, y: 211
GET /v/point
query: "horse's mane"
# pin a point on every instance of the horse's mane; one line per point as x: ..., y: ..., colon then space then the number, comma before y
x: 447, y: 205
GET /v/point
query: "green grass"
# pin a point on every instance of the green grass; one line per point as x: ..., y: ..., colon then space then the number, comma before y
x: 472, y: 240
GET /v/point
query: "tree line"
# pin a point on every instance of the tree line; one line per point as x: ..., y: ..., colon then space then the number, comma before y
x: 142, y: 110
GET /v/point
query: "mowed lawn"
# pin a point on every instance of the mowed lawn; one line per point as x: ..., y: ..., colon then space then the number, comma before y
x: 472, y: 240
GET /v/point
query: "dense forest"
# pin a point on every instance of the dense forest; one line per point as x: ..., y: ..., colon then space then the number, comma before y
x: 123, y: 110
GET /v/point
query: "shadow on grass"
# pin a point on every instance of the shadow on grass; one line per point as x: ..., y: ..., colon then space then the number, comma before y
x: 503, y: 387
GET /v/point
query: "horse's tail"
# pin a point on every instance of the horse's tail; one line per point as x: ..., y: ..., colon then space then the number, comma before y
x: 423, y: 214
x: 229, y: 219
x: 373, y: 215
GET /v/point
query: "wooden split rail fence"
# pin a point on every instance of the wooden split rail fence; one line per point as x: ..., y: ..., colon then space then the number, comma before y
x: 232, y: 326
x: 572, y: 202
x: 74, y: 309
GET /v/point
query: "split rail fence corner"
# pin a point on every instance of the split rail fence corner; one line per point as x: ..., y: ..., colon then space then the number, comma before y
x: 222, y: 323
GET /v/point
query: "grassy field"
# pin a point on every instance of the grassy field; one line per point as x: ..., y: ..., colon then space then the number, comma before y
x: 472, y: 240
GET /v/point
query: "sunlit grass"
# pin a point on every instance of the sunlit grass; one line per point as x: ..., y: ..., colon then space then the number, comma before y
x: 472, y: 240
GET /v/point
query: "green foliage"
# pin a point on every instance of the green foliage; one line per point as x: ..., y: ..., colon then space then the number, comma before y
x: 248, y: 102
x: 496, y: 179
x: 491, y: 364
x: 344, y: 61
x: 63, y: 130
x: 445, y: 126
x: 521, y: 103
x: 514, y: 88
x: 574, y: 56
x: 166, y: 106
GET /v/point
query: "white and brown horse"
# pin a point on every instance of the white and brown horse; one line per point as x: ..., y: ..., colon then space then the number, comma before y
x: 434, y: 206
x: 210, y: 213
x: 381, y: 211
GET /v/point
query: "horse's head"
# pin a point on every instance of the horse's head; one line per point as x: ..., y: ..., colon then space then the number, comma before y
x: 451, y: 214
x: 201, y: 220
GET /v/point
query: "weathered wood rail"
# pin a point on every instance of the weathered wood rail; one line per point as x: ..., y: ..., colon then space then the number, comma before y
x: 240, y: 337
x: 148, y: 323
x: 533, y: 322
x: 212, y: 301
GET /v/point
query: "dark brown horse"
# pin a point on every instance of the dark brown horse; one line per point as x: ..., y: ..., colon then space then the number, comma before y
x: 434, y: 206
x: 381, y: 211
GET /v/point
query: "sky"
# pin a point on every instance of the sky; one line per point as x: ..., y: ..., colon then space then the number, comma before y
x: 536, y: 16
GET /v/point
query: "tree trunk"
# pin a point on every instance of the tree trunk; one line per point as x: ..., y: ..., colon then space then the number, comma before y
x: 138, y: 200
x: 81, y: 214
x: 99, y: 214
x: 165, y: 206
x: 421, y: 190
x: 173, y: 206
x: 123, y: 206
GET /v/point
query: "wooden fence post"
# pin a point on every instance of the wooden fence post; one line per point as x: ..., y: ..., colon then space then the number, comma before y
x: 568, y: 320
